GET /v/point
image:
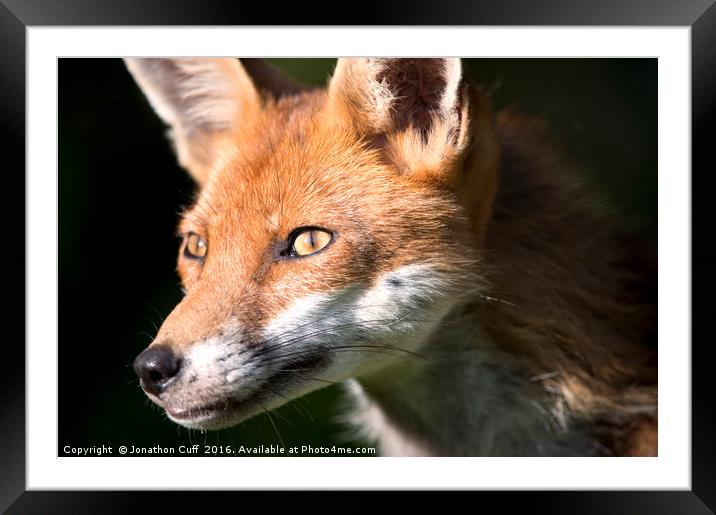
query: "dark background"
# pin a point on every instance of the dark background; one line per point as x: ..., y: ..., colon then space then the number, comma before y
x: 120, y: 190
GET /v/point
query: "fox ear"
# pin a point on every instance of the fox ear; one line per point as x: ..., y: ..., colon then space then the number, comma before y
x: 419, y: 105
x: 204, y: 99
x: 427, y: 120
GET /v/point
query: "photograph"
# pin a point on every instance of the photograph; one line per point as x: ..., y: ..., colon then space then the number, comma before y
x: 289, y: 255
x: 357, y: 257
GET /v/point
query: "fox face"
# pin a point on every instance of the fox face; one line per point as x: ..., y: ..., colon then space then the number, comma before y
x: 333, y: 229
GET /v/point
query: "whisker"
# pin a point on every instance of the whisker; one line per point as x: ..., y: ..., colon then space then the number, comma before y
x: 156, y: 327
x: 377, y: 349
x: 390, y: 347
x: 495, y: 299
x: 161, y: 318
x: 275, y: 428
x: 301, y: 410
x: 145, y: 333
x: 267, y: 212
x: 388, y: 321
x: 316, y: 379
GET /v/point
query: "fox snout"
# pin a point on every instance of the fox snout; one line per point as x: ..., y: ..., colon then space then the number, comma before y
x: 156, y: 367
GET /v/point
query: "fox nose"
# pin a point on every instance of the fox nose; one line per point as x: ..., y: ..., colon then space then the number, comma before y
x: 156, y: 366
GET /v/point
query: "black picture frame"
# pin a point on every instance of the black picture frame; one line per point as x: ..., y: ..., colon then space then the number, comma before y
x: 17, y: 15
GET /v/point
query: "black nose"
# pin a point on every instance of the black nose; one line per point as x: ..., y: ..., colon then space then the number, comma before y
x: 156, y: 367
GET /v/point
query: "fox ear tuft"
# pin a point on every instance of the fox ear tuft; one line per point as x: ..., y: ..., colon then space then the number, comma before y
x: 204, y: 99
x: 384, y: 95
x: 422, y: 102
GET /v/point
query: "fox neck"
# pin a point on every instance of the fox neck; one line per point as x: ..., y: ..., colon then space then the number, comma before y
x: 463, y: 398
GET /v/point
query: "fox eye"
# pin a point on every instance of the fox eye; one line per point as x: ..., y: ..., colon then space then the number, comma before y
x: 309, y: 241
x: 195, y: 246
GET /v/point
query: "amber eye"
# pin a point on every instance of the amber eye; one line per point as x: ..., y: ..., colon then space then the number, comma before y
x: 309, y: 241
x: 195, y: 246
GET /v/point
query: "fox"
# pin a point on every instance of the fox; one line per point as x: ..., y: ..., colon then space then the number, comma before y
x: 393, y: 233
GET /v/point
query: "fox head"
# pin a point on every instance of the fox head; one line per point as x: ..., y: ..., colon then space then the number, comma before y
x: 332, y: 229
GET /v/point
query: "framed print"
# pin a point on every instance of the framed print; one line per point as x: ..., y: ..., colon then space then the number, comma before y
x: 441, y: 249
